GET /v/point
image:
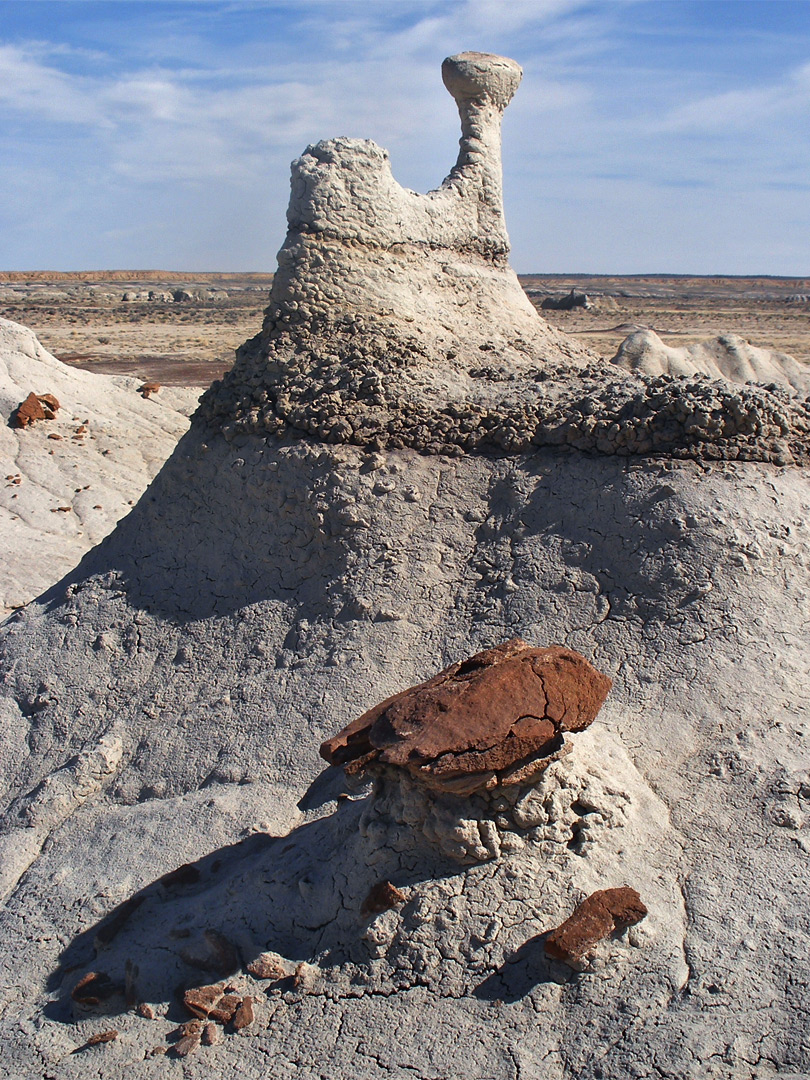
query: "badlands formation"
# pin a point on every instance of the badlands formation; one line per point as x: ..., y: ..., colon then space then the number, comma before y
x: 68, y: 480
x: 407, y: 467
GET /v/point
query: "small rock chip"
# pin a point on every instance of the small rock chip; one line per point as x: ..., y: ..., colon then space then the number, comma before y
x: 102, y: 1037
x: 225, y: 1009
x: 306, y: 976
x: 145, y: 1011
x: 210, y: 1035
x: 244, y: 1014
x: 600, y: 914
x: 200, y: 1000
x: 190, y: 1027
x: 157, y: 1050
x: 61, y: 509
x: 53, y: 435
x: 382, y: 897
x: 268, y: 965
x: 187, y: 1045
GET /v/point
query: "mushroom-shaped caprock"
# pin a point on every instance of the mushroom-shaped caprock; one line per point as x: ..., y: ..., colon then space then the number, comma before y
x: 495, y: 720
x: 475, y: 78
x: 483, y: 85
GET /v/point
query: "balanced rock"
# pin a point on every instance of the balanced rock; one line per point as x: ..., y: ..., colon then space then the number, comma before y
x: 496, y: 719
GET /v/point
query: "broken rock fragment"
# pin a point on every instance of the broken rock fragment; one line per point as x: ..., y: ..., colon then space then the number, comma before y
x: 382, y: 897
x: 35, y: 407
x: 268, y: 965
x: 494, y: 720
x: 601, y: 914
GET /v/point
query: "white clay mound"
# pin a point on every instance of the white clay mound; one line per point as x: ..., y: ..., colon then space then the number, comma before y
x: 124, y: 442
x: 163, y: 705
x: 727, y: 357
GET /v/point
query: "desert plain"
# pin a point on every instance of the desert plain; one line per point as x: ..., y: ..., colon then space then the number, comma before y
x: 186, y: 335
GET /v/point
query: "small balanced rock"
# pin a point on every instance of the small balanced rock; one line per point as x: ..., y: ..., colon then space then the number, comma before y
x: 494, y: 720
x: 601, y: 914
x: 148, y: 389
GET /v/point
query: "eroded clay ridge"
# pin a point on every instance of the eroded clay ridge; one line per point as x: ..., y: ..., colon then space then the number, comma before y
x: 395, y: 320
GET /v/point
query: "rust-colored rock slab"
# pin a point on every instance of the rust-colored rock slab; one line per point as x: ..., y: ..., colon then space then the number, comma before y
x: 479, y: 718
x: 600, y: 914
x: 200, y: 1000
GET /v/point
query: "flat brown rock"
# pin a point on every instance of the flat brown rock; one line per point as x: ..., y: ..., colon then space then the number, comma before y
x: 200, y: 1000
x: 477, y: 722
x: 600, y: 914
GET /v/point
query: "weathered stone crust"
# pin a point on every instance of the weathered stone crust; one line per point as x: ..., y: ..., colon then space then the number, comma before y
x: 496, y: 719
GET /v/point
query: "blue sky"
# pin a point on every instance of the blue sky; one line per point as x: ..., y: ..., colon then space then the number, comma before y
x: 647, y: 136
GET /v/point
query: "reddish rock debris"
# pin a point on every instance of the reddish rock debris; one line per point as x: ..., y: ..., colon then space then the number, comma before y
x: 268, y: 966
x: 382, y: 897
x: 187, y: 1045
x: 243, y: 1016
x: 210, y: 1035
x: 102, y: 1037
x: 35, y: 407
x: 200, y: 1000
x: 493, y: 720
x: 601, y: 914
x: 148, y: 389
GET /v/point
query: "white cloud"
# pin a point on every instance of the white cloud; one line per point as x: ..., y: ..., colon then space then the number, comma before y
x: 744, y: 110
x: 179, y: 128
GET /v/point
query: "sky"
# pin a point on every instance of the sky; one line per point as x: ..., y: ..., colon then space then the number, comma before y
x: 648, y: 136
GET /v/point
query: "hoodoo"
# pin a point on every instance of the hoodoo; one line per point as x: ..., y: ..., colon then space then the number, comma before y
x: 407, y: 467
